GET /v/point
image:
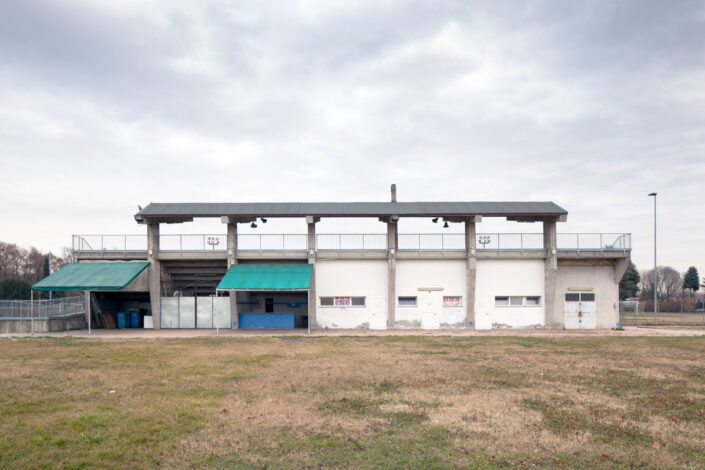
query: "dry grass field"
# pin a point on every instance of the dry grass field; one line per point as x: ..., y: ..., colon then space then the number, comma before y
x: 353, y: 402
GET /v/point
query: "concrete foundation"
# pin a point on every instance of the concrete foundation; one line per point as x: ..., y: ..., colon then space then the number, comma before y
x: 74, y: 322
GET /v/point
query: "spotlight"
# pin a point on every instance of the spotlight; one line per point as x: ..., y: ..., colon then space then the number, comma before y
x: 445, y: 225
x: 434, y: 220
x: 264, y: 221
x: 253, y: 225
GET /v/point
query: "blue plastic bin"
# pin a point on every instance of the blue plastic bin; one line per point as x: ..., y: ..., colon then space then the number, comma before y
x: 135, y: 320
x: 122, y: 320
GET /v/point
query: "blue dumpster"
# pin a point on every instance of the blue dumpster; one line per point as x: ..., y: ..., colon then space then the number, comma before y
x: 122, y: 320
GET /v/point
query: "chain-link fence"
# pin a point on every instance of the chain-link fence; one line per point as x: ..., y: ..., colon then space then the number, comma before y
x: 640, y: 313
x: 41, y: 309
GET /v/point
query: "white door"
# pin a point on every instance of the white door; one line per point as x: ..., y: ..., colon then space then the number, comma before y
x: 572, y: 311
x: 430, y: 305
x: 588, y: 318
x: 580, y: 312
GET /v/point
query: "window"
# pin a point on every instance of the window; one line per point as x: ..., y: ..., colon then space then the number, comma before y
x: 517, y: 301
x: 342, y: 301
x: 452, y: 301
x: 587, y: 297
x: 407, y: 301
x: 572, y: 297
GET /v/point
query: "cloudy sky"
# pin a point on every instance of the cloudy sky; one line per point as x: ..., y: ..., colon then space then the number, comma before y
x: 591, y: 104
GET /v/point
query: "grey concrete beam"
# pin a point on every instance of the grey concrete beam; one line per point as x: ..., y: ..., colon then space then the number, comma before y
x: 155, y: 273
x: 231, y: 242
x: 311, y: 256
x: 392, y: 244
x: 470, y: 271
x: 550, y: 271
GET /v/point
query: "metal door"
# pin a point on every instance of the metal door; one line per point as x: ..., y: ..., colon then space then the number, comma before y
x: 430, y: 304
x: 580, y: 311
x: 588, y: 318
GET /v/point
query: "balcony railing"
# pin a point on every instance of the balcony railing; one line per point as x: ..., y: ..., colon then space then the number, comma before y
x: 487, y: 242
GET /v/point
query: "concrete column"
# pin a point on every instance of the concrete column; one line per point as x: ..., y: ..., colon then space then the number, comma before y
x: 87, y: 300
x: 392, y: 243
x: 311, y: 255
x: 552, y: 318
x: 155, y: 273
x: 232, y: 243
x: 470, y: 270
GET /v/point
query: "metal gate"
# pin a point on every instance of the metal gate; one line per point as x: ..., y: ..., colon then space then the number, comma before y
x: 195, y: 312
x: 580, y: 311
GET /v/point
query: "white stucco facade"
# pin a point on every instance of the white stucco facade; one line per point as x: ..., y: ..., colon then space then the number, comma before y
x: 603, y: 281
x: 430, y: 281
x: 354, y: 278
x: 505, y: 278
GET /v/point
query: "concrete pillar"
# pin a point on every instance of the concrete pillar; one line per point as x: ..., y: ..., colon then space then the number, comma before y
x: 470, y: 270
x: 311, y: 255
x: 87, y: 300
x: 392, y: 244
x: 232, y: 243
x: 155, y: 273
x: 552, y: 317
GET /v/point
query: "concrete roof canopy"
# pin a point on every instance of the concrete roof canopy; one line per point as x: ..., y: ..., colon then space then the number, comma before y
x: 512, y: 210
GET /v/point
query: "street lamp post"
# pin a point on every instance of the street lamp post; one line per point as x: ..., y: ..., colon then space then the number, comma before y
x: 655, y: 265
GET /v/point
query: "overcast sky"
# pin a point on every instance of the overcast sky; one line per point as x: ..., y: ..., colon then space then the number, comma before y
x: 590, y: 104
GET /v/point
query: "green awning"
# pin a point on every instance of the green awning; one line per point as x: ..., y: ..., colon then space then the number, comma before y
x: 92, y: 276
x: 267, y: 277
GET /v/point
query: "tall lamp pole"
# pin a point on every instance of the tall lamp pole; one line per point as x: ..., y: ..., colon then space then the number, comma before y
x: 655, y: 265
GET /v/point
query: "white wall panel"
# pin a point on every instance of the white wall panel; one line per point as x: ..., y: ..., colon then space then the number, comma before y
x: 601, y: 279
x: 364, y: 278
x: 508, y: 278
x: 448, y: 276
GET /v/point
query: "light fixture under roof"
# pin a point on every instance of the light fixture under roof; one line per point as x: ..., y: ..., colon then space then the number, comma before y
x: 253, y: 225
x: 445, y: 225
x: 434, y: 220
x: 264, y: 221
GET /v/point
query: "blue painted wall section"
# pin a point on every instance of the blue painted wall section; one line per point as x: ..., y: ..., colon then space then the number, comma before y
x: 266, y: 320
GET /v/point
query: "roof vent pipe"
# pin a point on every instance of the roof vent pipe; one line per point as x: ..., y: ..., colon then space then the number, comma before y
x: 394, y: 193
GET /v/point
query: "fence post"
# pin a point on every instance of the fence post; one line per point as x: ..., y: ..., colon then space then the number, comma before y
x: 601, y: 245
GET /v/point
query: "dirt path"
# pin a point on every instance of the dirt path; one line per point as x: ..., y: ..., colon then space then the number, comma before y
x: 148, y: 334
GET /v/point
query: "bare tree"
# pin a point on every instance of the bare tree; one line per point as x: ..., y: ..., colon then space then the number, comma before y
x: 669, y: 283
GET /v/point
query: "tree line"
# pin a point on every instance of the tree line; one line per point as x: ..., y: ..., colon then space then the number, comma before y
x: 670, y: 284
x: 20, y: 268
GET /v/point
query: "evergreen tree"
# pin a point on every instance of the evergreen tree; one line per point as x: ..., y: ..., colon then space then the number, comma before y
x: 629, y: 285
x: 14, y: 290
x: 691, y: 279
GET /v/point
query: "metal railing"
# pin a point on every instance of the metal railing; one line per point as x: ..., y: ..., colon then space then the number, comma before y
x: 82, y: 243
x: 351, y: 242
x: 431, y: 242
x: 43, y: 309
x: 509, y: 241
x: 354, y: 242
x: 594, y: 241
x: 195, y: 242
x: 271, y: 242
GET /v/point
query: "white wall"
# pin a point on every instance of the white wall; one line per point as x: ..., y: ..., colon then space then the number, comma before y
x: 365, y: 278
x: 602, y: 281
x: 508, y: 278
x: 429, y: 313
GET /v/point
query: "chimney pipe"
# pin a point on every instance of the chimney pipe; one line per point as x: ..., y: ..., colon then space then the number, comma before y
x: 394, y: 193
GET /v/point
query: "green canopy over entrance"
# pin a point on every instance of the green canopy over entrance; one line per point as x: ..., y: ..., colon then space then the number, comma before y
x: 267, y: 277
x: 92, y: 276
